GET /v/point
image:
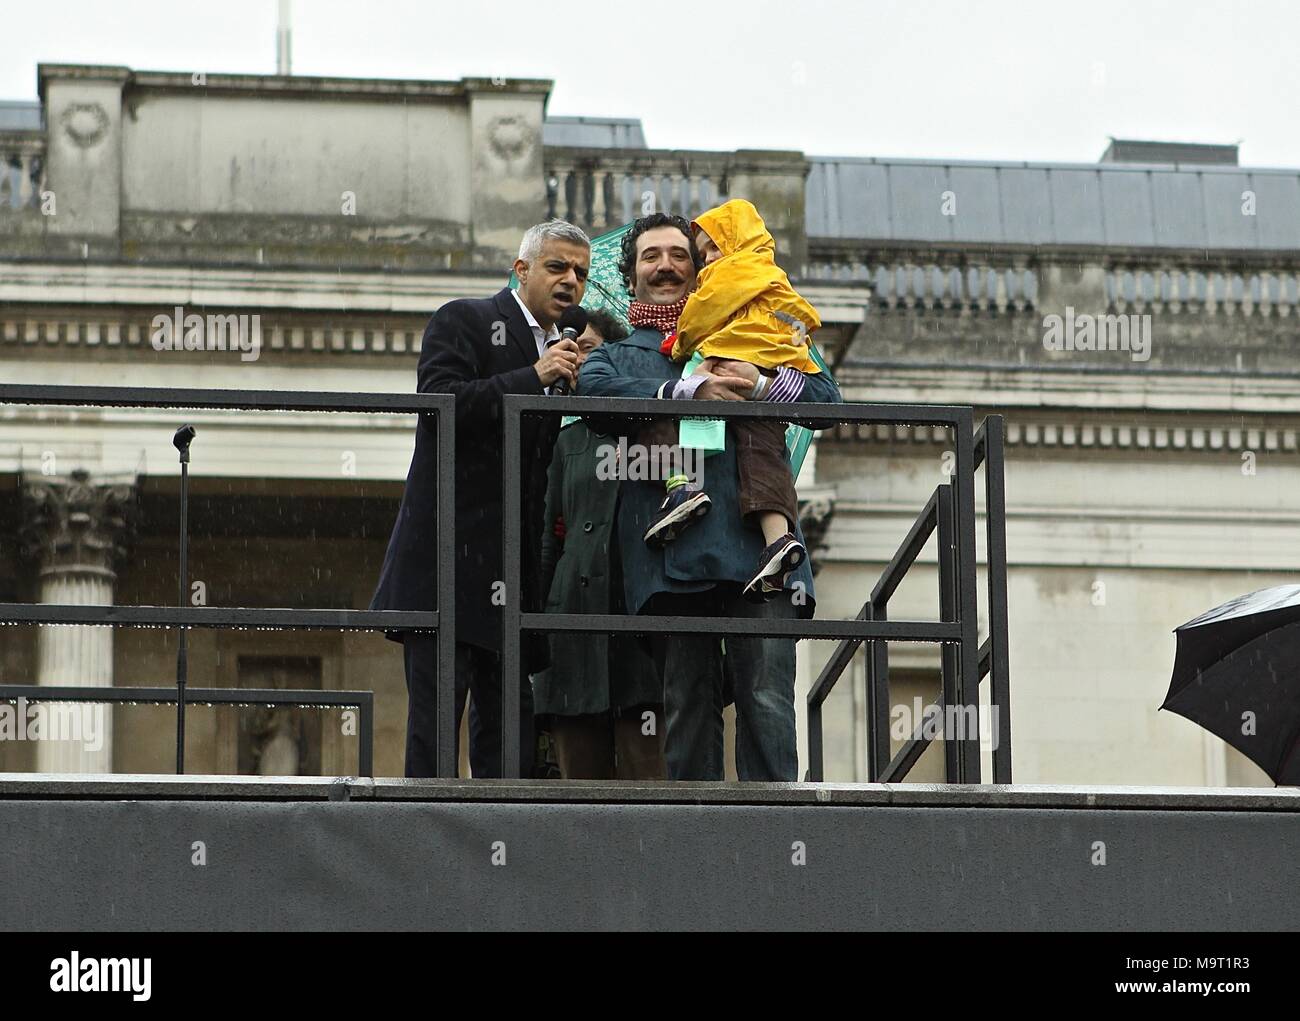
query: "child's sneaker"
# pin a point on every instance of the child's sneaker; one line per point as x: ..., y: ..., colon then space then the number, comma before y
x: 776, y: 561
x: 680, y: 507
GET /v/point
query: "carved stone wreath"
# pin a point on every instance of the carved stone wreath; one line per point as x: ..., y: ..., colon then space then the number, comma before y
x: 509, y: 138
x: 85, y: 123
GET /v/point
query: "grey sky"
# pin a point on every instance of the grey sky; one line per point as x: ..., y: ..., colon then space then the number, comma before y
x: 1001, y: 79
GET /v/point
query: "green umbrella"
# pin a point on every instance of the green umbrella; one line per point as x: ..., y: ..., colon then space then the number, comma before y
x: 605, y: 288
x: 606, y: 291
x: 797, y: 438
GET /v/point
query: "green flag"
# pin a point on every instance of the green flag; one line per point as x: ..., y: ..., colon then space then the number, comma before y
x: 605, y: 289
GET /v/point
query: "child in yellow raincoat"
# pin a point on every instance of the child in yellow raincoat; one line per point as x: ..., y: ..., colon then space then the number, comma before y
x: 744, y: 309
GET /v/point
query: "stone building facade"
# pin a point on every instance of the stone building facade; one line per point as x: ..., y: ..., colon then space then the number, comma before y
x: 1143, y: 486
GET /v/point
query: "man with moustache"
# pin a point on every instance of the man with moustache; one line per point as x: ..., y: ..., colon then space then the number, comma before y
x: 479, y: 350
x: 702, y: 572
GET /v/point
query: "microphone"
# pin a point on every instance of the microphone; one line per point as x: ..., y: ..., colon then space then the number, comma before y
x: 181, y: 441
x: 572, y: 324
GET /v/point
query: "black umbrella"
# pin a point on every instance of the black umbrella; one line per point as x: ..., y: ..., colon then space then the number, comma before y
x: 1237, y: 674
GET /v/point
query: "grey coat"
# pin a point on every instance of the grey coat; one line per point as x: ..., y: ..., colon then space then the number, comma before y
x: 589, y: 673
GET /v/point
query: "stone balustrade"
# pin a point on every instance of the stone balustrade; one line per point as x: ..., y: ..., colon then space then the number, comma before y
x: 1233, y: 290
x: 899, y: 281
x: 601, y: 189
x: 22, y: 170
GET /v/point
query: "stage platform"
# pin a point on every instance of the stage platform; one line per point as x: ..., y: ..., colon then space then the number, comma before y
x: 234, y: 853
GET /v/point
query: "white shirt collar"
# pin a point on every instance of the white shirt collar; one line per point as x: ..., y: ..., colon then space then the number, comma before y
x: 539, y: 335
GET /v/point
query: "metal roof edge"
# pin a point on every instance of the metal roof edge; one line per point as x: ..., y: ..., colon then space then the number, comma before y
x: 897, y: 161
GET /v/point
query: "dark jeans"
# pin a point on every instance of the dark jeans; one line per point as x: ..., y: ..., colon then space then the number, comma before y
x: 477, y: 671
x: 761, y: 671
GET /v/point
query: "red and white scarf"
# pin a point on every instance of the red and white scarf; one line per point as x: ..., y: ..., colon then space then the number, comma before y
x: 658, y: 317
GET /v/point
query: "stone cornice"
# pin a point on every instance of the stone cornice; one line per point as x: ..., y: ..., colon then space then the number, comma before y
x: 287, y: 85
x: 1093, y: 539
x: 80, y: 72
x: 250, y: 288
x: 847, y: 506
x: 846, y: 250
x: 81, y: 307
x: 1177, y: 413
x: 1008, y: 388
x: 1083, y: 434
x: 258, y: 289
x: 837, y: 303
x: 75, y: 333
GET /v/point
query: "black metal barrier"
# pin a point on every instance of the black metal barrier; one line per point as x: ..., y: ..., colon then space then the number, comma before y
x: 939, y: 514
x: 950, y: 510
x: 440, y: 621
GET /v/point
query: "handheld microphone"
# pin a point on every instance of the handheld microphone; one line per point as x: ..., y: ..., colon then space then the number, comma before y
x: 572, y: 324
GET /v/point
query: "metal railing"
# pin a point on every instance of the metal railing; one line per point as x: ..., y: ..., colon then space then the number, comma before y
x: 951, y: 509
x: 440, y: 621
x: 942, y: 514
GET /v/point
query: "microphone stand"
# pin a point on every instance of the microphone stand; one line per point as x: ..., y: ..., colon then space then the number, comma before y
x: 181, y: 441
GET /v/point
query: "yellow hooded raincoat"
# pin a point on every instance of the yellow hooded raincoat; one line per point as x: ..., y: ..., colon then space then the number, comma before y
x: 744, y: 307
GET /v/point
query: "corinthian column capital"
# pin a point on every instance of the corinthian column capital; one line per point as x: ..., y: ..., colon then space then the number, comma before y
x: 78, y: 524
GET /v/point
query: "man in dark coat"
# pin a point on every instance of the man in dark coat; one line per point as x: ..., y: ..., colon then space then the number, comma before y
x: 479, y: 350
x: 704, y: 570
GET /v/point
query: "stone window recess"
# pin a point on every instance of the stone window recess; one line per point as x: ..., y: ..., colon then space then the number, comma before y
x: 284, y: 740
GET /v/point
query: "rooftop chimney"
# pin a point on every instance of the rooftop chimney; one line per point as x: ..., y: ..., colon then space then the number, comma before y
x: 1127, y: 150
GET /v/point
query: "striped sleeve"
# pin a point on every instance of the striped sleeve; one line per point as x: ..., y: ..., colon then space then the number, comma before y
x: 787, y: 386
